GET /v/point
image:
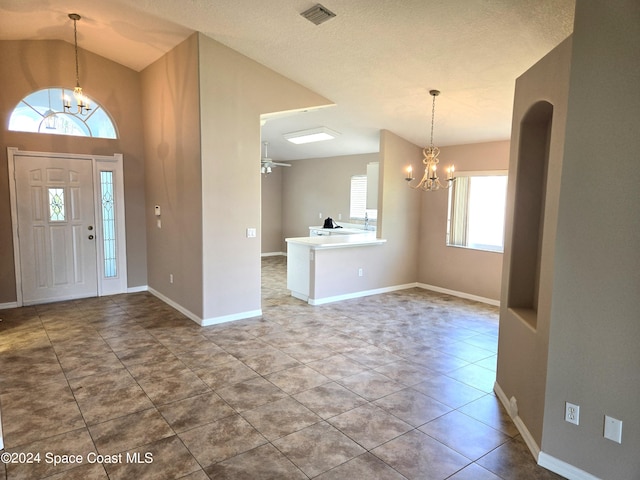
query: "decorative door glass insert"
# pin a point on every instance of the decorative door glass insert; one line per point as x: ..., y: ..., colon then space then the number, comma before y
x: 108, y: 224
x: 56, y: 205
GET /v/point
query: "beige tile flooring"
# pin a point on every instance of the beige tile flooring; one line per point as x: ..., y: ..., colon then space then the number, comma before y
x: 390, y: 386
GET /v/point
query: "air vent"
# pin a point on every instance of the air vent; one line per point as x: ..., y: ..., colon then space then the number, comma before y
x: 318, y: 14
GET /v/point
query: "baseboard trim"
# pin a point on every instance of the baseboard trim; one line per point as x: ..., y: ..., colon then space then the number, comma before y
x: 362, y: 293
x: 5, y: 306
x: 563, y: 468
x: 205, y: 322
x: 177, y: 306
x: 273, y: 254
x: 231, y: 318
x: 456, y: 293
x: 511, y: 405
x: 138, y: 289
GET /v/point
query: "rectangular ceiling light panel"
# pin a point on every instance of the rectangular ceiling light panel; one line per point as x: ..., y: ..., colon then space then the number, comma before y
x: 311, y: 135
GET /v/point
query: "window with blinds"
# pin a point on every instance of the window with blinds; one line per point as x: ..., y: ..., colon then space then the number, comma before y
x: 477, y: 204
x: 358, y: 205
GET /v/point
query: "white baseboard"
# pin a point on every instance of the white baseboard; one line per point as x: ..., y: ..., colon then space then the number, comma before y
x: 140, y: 288
x: 205, y: 322
x: 563, y: 468
x: 455, y: 293
x: 189, y: 314
x: 5, y: 306
x: 363, y: 293
x: 273, y: 254
x: 231, y: 318
x: 511, y: 405
x: 543, y: 459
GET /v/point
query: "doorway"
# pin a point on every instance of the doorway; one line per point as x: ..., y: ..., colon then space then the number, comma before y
x: 68, y: 225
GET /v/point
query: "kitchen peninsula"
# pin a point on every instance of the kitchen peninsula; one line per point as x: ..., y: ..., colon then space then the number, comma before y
x: 323, y: 269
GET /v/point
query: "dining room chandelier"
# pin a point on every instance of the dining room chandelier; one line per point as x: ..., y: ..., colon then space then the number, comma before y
x: 82, y: 102
x: 430, y: 180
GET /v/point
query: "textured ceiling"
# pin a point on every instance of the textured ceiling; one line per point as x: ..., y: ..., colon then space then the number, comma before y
x: 377, y: 59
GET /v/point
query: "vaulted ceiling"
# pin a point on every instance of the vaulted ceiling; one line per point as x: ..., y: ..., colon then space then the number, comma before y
x: 376, y: 59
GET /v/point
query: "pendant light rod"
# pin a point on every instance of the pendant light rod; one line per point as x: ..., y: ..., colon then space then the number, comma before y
x: 434, y: 94
x: 75, y: 17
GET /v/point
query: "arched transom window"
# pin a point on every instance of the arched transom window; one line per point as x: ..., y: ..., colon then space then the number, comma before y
x: 54, y: 110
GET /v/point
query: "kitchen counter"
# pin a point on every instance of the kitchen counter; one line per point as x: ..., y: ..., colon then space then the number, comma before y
x: 318, y: 272
x: 337, y: 241
x: 345, y: 229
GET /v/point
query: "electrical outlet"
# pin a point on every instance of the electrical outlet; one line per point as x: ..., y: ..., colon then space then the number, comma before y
x: 572, y: 413
x: 360, y: 272
x: 171, y: 278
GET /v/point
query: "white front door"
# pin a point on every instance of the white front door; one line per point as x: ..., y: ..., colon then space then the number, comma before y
x: 56, y: 228
x: 68, y: 221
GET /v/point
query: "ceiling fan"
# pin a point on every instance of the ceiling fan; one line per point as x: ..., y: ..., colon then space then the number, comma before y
x: 266, y: 164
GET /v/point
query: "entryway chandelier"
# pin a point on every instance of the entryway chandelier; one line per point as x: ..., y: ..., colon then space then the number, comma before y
x: 82, y: 102
x: 430, y: 180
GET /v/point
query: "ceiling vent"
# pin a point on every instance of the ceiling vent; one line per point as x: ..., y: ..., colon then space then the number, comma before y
x: 318, y: 14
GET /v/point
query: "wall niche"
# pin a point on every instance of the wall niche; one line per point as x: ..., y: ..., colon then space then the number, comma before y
x: 529, y: 208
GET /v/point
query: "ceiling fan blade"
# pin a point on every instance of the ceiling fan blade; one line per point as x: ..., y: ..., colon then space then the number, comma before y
x: 281, y: 164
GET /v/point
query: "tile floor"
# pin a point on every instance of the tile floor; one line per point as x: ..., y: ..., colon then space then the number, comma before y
x: 390, y: 386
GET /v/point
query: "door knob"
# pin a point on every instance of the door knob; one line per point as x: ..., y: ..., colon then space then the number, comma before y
x: 90, y: 237
x: 90, y: 227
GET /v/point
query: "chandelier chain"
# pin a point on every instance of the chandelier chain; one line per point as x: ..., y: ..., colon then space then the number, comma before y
x: 75, y: 42
x: 433, y: 116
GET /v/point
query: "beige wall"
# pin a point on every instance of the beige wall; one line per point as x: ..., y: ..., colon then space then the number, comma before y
x: 319, y: 185
x: 522, y: 350
x: 594, y: 353
x: 234, y: 92
x: 28, y: 66
x: 473, y: 272
x: 398, y: 214
x: 271, y: 212
x: 173, y: 175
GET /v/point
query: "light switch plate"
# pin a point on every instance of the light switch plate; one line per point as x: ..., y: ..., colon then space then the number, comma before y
x: 251, y: 232
x: 613, y: 429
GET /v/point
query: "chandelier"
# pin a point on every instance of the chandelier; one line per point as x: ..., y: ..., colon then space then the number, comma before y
x: 82, y: 102
x: 430, y: 180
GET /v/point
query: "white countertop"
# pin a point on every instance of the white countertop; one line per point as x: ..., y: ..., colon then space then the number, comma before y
x: 345, y: 229
x: 338, y: 241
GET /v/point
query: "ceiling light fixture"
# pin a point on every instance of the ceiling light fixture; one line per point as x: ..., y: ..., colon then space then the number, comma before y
x: 430, y: 180
x: 82, y: 101
x: 311, y: 135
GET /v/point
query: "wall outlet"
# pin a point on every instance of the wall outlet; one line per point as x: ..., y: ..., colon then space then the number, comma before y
x: 572, y: 413
x: 360, y: 272
x: 320, y: 215
x: 171, y: 278
x: 613, y: 429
